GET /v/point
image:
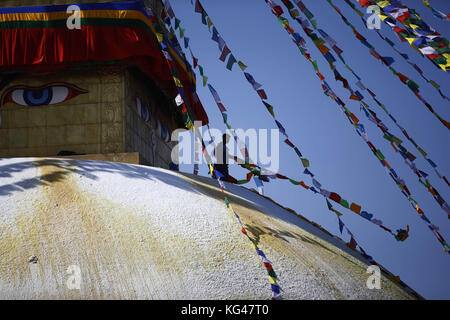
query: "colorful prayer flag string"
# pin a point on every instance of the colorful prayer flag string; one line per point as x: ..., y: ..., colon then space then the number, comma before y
x: 433, y: 83
x: 275, y: 288
x: 332, y: 43
x: 420, y: 36
x: 243, y: 148
x: 334, y: 196
x: 362, y: 133
x: 256, y: 86
x: 387, y: 61
x: 355, y: 95
x: 438, y: 14
x: 265, y: 175
x: 276, y: 294
x: 353, y: 244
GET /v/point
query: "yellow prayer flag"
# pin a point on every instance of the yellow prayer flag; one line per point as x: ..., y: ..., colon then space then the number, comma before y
x: 383, y: 4
x: 272, y: 280
x: 242, y: 65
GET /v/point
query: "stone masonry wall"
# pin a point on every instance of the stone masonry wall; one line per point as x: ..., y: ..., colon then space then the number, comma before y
x: 86, y: 124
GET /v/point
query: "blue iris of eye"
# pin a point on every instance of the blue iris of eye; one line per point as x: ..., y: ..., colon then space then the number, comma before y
x: 144, y: 113
x: 37, y: 97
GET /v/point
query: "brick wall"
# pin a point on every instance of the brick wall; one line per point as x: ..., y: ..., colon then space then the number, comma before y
x: 88, y: 123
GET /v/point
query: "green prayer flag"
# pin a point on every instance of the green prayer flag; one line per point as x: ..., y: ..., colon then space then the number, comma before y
x: 269, y: 107
x: 177, y: 23
x: 396, y: 140
x: 329, y: 205
x: 313, y: 37
x: 420, y: 180
x: 383, y: 107
x: 411, y: 198
x: 443, y: 50
x: 231, y: 61
x: 388, y: 138
x: 308, y: 14
x: 288, y: 5
x: 272, y: 273
x: 348, y: 68
x: 393, y: 70
x: 297, y: 152
x: 434, y: 84
x: 344, y: 203
x: 421, y: 151
x: 182, y: 32
x: 412, y: 85
x: 204, y: 17
x: 319, y: 42
x: 379, y: 155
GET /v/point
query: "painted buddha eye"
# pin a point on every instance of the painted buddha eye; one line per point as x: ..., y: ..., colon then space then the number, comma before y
x: 142, y: 110
x: 163, y: 131
x: 41, y: 96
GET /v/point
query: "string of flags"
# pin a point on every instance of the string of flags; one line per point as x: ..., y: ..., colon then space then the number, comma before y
x: 387, y: 61
x: 276, y: 10
x: 242, y: 147
x: 355, y: 95
x: 433, y: 83
x: 353, y: 244
x: 362, y: 86
x: 275, y: 288
x: 225, y: 51
x: 266, y: 175
x: 420, y: 36
x: 276, y: 294
x: 256, y: 86
x: 327, y: 90
x: 436, y: 13
x: 399, y: 236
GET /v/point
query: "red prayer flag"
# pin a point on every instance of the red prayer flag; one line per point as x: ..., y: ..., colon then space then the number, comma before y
x: 262, y: 94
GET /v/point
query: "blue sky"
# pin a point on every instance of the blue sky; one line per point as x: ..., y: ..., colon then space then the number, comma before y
x: 340, y: 159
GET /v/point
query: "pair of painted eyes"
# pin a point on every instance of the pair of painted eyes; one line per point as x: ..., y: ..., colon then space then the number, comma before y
x: 41, y: 96
x: 144, y: 113
x: 163, y: 131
